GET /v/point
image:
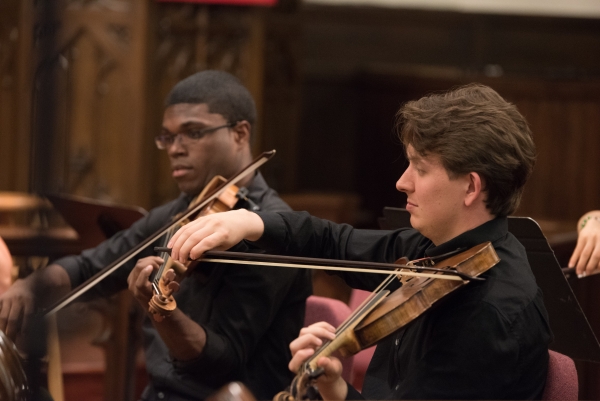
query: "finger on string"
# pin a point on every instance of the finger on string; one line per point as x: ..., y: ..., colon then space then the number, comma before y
x: 324, y: 325
x: 299, y: 358
x: 183, y: 233
x: 142, y: 282
x: 304, y: 342
x: 324, y: 331
x: 212, y: 242
x: 182, y: 246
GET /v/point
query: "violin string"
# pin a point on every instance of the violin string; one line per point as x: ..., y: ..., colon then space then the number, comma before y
x: 359, y: 311
x: 165, y: 257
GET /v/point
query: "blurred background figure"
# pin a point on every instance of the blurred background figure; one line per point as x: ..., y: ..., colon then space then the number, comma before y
x: 6, y: 265
x: 586, y: 257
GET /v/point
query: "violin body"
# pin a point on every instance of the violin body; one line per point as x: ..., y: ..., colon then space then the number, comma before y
x: 417, y: 295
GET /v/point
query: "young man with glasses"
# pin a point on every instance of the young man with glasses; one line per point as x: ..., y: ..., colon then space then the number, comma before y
x: 230, y: 324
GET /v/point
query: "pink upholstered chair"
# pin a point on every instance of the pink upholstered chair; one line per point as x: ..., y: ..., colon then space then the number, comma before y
x: 333, y: 311
x: 561, y: 383
x: 363, y: 358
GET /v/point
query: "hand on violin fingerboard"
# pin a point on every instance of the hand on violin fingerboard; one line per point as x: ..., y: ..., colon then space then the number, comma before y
x: 330, y: 383
x: 218, y: 231
x: 586, y: 257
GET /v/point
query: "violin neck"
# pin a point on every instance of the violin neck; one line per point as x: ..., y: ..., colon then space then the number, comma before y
x: 345, y: 340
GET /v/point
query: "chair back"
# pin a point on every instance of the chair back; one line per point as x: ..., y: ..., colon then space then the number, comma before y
x: 363, y: 358
x: 561, y: 383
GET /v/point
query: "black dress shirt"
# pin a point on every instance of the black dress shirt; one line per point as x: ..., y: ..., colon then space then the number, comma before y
x: 488, y: 340
x: 250, y: 314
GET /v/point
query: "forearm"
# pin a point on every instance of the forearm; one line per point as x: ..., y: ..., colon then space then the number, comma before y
x: 48, y: 284
x: 185, y: 338
x: 300, y: 234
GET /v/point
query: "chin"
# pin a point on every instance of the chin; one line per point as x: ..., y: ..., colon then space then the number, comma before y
x: 188, y: 190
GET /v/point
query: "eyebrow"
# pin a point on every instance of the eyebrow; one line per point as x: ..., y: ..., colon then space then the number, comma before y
x: 414, y: 158
x: 187, y: 124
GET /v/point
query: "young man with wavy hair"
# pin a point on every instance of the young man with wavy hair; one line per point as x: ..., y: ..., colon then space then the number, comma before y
x: 470, y: 154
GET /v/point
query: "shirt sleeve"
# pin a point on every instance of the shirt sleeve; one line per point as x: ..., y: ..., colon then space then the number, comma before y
x: 300, y: 234
x: 91, y: 261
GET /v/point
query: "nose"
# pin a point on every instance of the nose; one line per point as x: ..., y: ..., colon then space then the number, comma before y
x: 177, y: 147
x: 404, y: 184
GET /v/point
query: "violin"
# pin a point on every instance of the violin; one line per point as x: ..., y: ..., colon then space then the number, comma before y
x: 424, y: 282
x: 189, y: 214
x: 383, y: 314
x: 162, y: 303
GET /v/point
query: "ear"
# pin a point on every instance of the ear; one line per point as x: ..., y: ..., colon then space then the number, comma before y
x: 242, y: 132
x: 474, y: 189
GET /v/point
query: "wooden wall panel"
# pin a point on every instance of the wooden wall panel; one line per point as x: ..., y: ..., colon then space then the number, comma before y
x: 368, y: 61
x: 564, y: 117
x: 15, y: 93
x: 191, y: 38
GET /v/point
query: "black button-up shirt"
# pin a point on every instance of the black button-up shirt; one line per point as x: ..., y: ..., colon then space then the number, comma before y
x: 488, y: 340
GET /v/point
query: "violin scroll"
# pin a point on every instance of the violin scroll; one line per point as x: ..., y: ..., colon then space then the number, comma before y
x: 303, y: 387
x: 162, y: 303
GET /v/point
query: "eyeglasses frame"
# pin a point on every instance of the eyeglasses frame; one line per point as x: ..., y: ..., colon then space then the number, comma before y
x: 202, y: 133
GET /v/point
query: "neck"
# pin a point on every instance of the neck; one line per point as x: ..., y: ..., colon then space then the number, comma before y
x: 464, y: 222
x: 245, y: 160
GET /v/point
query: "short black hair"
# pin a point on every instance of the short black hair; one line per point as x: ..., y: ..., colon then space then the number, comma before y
x: 223, y: 93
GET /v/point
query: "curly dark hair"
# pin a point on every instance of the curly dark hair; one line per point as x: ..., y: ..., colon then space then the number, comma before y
x: 223, y: 93
x: 473, y: 129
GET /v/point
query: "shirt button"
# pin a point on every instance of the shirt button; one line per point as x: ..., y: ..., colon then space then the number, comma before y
x: 160, y: 395
x: 397, y: 342
x: 397, y: 387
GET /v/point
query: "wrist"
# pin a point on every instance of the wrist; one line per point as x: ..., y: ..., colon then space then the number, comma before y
x: 334, y: 391
x: 585, y: 220
x: 254, y: 225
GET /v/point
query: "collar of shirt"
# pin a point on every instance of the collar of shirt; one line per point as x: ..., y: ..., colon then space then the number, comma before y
x: 489, y: 231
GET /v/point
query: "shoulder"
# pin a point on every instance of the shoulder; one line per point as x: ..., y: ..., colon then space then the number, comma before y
x: 160, y: 215
x: 510, y: 287
x: 265, y: 196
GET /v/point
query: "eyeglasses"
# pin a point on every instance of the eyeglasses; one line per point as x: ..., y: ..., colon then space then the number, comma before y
x: 164, y: 141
